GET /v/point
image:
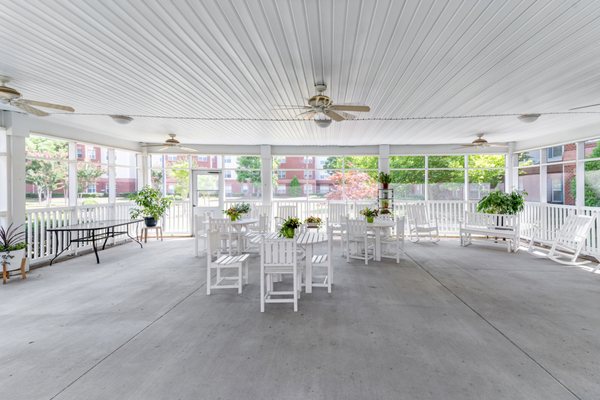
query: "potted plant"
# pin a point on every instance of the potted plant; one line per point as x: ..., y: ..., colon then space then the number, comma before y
x: 289, y: 226
x: 370, y: 214
x: 237, y: 210
x: 12, y: 247
x: 498, y: 202
x: 313, y: 222
x: 150, y: 204
x: 385, y: 180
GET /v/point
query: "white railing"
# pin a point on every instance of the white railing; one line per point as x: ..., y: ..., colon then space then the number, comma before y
x: 42, y: 245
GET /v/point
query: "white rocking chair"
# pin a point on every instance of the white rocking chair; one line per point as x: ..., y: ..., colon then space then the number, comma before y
x: 568, y: 241
x: 419, y: 223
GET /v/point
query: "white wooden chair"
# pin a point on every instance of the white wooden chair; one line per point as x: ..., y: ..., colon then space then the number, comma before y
x: 277, y: 258
x: 359, y: 244
x: 322, y: 265
x: 264, y: 209
x: 568, y: 241
x: 201, y: 215
x: 419, y: 223
x: 283, y: 213
x: 218, y: 263
x: 255, y: 233
x: 227, y: 237
x: 392, y: 245
x: 336, y: 213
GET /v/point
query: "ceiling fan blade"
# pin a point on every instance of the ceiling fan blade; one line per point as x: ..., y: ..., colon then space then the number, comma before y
x: 348, y: 107
x: 188, y: 149
x: 47, y: 105
x: 292, y: 107
x: 497, y: 145
x: 307, y: 114
x: 29, y: 109
x: 589, y: 105
x: 334, y: 116
x: 153, y: 145
x: 347, y: 115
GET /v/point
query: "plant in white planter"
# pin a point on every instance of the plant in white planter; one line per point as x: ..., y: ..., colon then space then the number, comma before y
x: 12, y: 248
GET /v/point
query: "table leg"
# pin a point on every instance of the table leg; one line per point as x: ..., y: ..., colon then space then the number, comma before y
x: 377, y: 255
x: 308, y: 270
x: 106, y: 238
x: 134, y: 239
x: 94, y: 246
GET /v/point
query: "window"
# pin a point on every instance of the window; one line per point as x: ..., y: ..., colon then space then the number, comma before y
x: 281, y: 189
x: 126, y: 174
x: 202, y: 158
x: 554, y: 154
x: 486, y: 174
x: 46, y: 172
x: 308, y: 188
x: 91, y: 188
x: 529, y: 182
x: 281, y: 174
x: 79, y: 151
x: 91, y: 152
x: 446, y: 179
x: 308, y: 174
x: 408, y: 177
x: 529, y: 158
x: 243, y: 174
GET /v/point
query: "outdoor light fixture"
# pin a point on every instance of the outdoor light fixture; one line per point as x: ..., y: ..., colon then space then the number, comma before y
x: 528, y: 118
x: 322, y: 122
x: 121, y: 119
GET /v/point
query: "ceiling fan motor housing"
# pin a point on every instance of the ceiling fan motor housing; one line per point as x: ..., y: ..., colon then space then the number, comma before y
x: 7, y: 94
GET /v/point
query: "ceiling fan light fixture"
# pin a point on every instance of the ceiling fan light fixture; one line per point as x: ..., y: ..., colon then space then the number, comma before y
x: 528, y: 118
x: 322, y: 122
x: 121, y: 119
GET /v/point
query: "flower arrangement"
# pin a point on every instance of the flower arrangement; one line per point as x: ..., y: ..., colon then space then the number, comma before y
x: 370, y: 214
x: 12, y: 240
x: 313, y: 221
x: 289, y: 227
x: 237, y: 210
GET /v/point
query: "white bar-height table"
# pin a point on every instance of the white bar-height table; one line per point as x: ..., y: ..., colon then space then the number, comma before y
x: 378, y: 226
x: 306, y: 240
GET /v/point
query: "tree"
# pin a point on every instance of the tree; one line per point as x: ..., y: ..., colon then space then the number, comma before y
x: 248, y: 170
x: 87, y: 174
x: 156, y: 178
x: 352, y: 185
x: 44, y: 170
x: 295, y: 190
x: 181, y: 172
x: 591, y: 180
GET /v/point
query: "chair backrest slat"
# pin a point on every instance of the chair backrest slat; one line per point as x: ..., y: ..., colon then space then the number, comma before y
x: 285, y: 212
x: 278, y: 252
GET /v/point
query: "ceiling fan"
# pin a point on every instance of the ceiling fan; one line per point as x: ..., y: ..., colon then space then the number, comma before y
x: 321, y: 105
x: 12, y: 97
x: 170, y: 143
x: 589, y: 105
x: 481, y: 142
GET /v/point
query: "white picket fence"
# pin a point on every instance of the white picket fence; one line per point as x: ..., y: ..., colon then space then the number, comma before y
x: 42, y: 245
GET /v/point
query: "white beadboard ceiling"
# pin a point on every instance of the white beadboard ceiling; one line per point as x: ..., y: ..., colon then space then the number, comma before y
x: 242, y: 58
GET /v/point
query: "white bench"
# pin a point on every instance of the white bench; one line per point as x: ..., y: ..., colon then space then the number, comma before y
x: 500, y: 226
x: 568, y: 241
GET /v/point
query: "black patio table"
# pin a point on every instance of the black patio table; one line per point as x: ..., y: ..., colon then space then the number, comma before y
x: 92, y: 232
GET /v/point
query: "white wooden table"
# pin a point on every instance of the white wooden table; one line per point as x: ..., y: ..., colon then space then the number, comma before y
x: 306, y: 240
x: 238, y: 225
x: 378, y: 227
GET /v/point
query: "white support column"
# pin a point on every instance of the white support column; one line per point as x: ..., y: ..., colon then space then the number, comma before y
x: 466, y: 186
x: 543, y: 176
x: 426, y: 179
x: 266, y: 176
x: 73, y: 184
x: 112, y: 183
x: 510, y: 164
x: 142, y: 173
x: 17, y: 130
x: 384, y: 158
x: 580, y: 174
x: 3, y: 177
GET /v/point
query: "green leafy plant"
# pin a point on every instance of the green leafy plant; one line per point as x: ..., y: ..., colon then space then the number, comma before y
x: 498, y: 202
x: 289, y: 227
x: 11, y: 239
x: 150, y: 203
x: 314, y: 221
x: 235, y: 211
x: 384, y: 178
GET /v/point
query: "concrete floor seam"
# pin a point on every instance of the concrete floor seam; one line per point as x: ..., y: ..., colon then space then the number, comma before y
x: 128, y: 341
x: 494, y: 327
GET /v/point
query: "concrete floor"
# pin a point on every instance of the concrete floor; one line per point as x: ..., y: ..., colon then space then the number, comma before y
x: 447, y: 323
